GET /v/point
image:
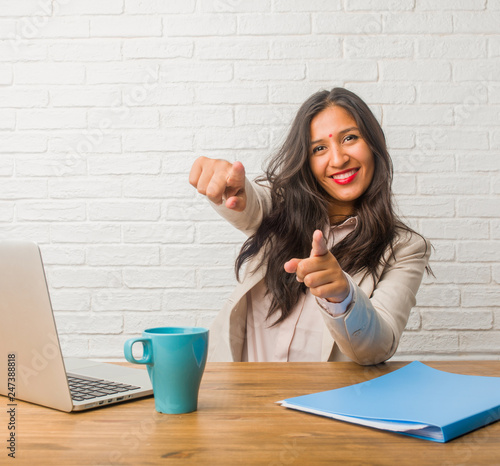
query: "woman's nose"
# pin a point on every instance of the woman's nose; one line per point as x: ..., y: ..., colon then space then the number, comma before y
x: 338, y: 157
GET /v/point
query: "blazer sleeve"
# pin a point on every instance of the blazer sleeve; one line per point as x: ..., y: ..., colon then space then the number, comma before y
x: 370, y: 329
x: 258, y: 204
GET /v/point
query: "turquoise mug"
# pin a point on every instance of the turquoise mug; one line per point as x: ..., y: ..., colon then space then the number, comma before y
x: 175, y: 359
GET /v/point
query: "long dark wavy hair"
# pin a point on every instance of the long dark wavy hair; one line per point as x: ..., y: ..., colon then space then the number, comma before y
x: 300, y: 205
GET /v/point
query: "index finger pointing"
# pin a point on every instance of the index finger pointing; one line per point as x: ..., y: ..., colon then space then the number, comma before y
x: 291, y: 265
x: 216, y: 187
x: 236, y: 177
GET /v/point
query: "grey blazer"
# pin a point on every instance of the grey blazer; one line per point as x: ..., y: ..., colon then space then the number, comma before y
x: 368, y: 332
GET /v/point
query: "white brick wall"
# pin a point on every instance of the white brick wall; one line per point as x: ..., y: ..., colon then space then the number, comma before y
x: 105, y: 105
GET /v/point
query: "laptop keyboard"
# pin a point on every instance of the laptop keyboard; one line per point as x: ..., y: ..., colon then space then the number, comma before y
x: 85, y: 388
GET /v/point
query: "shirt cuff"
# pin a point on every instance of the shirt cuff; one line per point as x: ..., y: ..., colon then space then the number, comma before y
x: 337, y: 309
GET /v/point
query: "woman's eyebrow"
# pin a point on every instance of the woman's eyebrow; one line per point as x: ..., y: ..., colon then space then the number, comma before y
x: 352, y: 128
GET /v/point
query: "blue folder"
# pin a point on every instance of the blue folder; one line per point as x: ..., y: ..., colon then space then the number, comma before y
x: 415, y: 400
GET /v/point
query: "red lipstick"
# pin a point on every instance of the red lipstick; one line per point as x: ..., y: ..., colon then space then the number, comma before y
x: 351, y: 174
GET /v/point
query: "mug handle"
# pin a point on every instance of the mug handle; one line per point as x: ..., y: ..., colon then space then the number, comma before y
x: 147, y: 357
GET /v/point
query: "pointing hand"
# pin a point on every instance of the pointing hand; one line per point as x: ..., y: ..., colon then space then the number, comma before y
x: 320, y: 272
x: 221, y: 181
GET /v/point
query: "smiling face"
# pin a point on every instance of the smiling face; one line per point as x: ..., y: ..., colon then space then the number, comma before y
x: 340, y: 159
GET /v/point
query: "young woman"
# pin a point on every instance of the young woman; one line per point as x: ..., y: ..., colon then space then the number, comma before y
x: 328, y: 272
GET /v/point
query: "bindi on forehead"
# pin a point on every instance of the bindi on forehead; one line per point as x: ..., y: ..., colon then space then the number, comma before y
x: 330, y: 135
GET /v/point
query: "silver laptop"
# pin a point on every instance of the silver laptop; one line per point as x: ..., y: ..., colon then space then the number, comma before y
x: 32, y: 367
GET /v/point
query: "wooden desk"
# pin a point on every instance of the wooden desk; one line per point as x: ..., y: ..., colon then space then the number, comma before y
x: 238, y: 422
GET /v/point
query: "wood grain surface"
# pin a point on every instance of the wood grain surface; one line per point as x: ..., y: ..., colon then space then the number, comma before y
x: 239, y: 423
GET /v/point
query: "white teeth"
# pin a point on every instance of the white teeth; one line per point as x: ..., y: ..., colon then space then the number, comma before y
x: 345, y: 175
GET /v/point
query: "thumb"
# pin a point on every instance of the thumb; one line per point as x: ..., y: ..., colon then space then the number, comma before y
x: 319, y: 247
x: 235, y: 203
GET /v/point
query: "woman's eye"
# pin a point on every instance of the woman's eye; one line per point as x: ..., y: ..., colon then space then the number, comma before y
x: 351, y: 137
x: 317, y: 149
